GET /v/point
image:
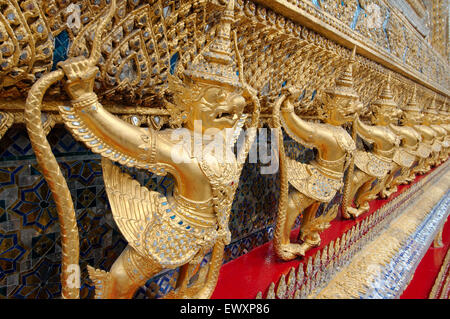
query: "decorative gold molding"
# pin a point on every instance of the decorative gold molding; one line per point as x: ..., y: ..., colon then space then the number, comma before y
x: 305, y: 13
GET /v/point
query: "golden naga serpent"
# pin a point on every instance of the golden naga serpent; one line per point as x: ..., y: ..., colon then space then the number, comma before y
x: 52, y: 172
x: 54, y: 178
x: 346, y: 200
x: 284, y: 184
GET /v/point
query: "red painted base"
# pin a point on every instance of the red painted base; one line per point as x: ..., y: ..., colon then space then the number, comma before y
x: 245, y: 276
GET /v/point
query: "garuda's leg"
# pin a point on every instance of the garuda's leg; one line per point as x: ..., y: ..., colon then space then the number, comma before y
x: 421, y: 168
x: 365, y: 194
x: 310, y: 229
x: 204, y: 285
x: 430, y: 162
x: 297, y: 202
x: 409, y: 174
x: 390, y: 182
x: 442, y: 156
x: 129, y: 272
x: 359, y: 179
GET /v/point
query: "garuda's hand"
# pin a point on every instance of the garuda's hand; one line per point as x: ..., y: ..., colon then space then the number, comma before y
x: 224, y: 235
x: 292, y: 94
x: 248, y: 91
x: 80, y: 76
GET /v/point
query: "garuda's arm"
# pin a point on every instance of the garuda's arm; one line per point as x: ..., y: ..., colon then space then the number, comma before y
x: 102, y: 131
x: 366, y: 132
x: 399, y: 133
x: 300, y: 130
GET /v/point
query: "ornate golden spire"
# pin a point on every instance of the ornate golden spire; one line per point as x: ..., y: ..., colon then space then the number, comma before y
x: 412, y: 104
x: 432, y: 108
x: 386, y: 98
x: 344, y: 83
x: 215, y: 65
x: 444, y: 110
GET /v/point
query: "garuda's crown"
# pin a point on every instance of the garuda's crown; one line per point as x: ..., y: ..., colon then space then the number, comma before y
x: 386, y: 98
x: 444, y: 109
x: 344, y: 83
x: 432, y: 109
x: 412, y: 104
x: 215, y: 65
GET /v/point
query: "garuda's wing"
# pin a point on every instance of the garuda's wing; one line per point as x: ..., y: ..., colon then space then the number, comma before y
x: 132, y: 204
x: 297, y: 172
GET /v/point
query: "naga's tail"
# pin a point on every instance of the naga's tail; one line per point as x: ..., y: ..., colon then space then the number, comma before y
x: 55, y: 180
x: 284, y: 187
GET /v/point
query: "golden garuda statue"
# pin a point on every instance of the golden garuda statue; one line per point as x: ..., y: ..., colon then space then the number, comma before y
x: 410, y: 151
x: 432, y: 119
x: 404, y: 154
x: 317, y: 182
x: 445, y: 123
x: 425, y: 151
x: 375, y: 165
x: 162, y: 232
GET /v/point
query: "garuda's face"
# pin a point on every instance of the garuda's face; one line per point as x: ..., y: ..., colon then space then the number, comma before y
x: 395, y: 115
x: 217, y: 108
x: 412, y: 117
x: 435, y: 119
x: 343, y: 109
x: 385, y: 115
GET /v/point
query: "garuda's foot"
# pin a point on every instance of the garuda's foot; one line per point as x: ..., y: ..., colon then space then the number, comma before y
x: 364, y: 208
x: 303, y: 248
x: 354, y: 212
x: 371, y: 197
x: 409, y: 179
x: 421, y: 171
x: 290, y: 251
x: 386, y: 193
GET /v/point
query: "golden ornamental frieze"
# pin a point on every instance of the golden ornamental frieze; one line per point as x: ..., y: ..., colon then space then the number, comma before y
x: 149, y: 41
